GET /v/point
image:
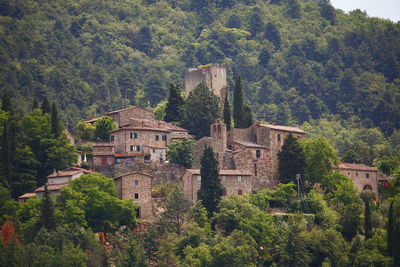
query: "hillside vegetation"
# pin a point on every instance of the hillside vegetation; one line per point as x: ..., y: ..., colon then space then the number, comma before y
x: 298, y: 59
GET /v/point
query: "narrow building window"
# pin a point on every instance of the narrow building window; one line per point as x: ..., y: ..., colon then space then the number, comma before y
x: 239, y: 178
x: 240, y: 192
x: 367, y: 175
x: 348, y: 174
x: 136, y: 195
x: 356, y: 173
x: 198, y: 178
x: 137, y: 148
x: 164, y: 138
x: 133, y: 135
x: 224, y: 178
x: 136, y: 182
x: 157, y: 137
x: 255, y: 138
x: 132, y: 148
x: 258, y: 153
x: 279, y: 138
x: 137, y: 212
x: 255, y: 169
x: 112, y: 138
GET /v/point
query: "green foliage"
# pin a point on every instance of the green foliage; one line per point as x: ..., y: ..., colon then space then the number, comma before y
x: 211, y: 189
x: 227, y: 113
x: 95, y: 197
x: 85, y: 131
x: 181, y: 152
x: 321, y: 159
x: 367, y: 196
x: 103, y: 125
x: 201, y: 110
x: 242, y: 114
x: 48, y: 218
x: 174, y: 108
x: 349, y: 220
x: 393, y: 229
x: 291, y: 160
x: 324, y: 216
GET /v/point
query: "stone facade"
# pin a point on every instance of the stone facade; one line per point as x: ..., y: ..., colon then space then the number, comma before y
x: 137, y: 186
x: 103, y: 154
x: 235, y: 182
x: 254, y: 149
x: 124, y: 116
x: 363, y: 176
x: 213, y: 76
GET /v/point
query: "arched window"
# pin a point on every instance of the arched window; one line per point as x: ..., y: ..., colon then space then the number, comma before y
x: 367, y: 187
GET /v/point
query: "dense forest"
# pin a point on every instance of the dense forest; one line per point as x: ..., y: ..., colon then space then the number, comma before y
x: 299, y: 60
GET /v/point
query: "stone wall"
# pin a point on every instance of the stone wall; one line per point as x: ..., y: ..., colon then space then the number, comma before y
x: 123, y: 116
x: 137, y: 186
x: 161, y: 172
x: 360, y: 180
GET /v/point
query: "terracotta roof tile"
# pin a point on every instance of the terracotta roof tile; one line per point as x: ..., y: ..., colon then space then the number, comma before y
x: 126, y: 174
x: 27, y: 195
x: 51, y: 187
x: 354, y: 166
x: 144, y: 128
x: 69, y: 172
x: 126, y: 155
x: 249, y: 144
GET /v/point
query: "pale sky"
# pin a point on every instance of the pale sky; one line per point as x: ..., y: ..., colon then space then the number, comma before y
x: 387, y: 9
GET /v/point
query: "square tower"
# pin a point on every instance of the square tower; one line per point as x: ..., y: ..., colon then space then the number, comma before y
x: 213, y: 76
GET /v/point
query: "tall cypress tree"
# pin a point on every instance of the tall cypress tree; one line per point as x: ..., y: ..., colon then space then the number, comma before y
x: 47, y: 217
x: 173, y: 111
x: 367, y: 196
x: 292, y: 160
x: 227, y: 113
x: 211, y: 189
x: 35, y: 104
x: 393, y: 230
x: 45, y: 106
x: 248, y: 118
x: 55, y: 121
x: 238, y: 103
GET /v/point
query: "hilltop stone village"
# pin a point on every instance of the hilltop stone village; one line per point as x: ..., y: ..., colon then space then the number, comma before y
x: 135, y: 154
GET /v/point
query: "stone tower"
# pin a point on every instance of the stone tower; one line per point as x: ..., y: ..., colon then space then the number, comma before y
x: 213, y: 76
x: 218, y: 132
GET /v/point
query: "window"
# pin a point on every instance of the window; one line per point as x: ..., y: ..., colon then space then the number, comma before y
x: 136, y: 195
x: 137, y: 148
x: 112, y: 138
x: 348, y: 174
x: 356, y: 173
x: 367, y: 175
x: 133, y: 135
x: 136, y: 182
x: 224, y: 178
x: 258, y: 153
x: 132, y: 148
x: 198, y: 178
x: 279, y: 138
x: 137, y: 212
x: 255, y: 169
x: 239, y: 178
x: 157, y: 137
x: 240, y: 192
x: 164, y: 137
x: 255, y: 138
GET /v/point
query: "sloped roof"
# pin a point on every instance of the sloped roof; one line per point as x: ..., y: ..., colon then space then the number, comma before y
x: 223, y: 172
x: 51, y: 187
x: 249, y: 144
x: 69, y: 172
x: 144, y: 128
x: 27, y: 195
x: 283, y: 128
x: 130, y: 173
x: 123, y: 109
x: 102, y: 144
x: 158, y: 124
x: 355, y: 166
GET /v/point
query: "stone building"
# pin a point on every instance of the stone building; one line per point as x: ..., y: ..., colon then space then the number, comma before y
x: 56, y: 181
x: 235, y: 182
x: 213, y: 76
x: 363, y: 176
x: 143, y: 140
x: 137, y: 186
x: 123, y: 116
x: 254, y: 149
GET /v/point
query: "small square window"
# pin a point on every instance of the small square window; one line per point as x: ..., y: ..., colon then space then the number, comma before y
x: 367, y: 175
x: 157, y: 137
x: 198, y: 178
x: 136, y: 182
x: 136, y: 195
x: 164, y: 138
x: 258, y: 153
x: 239, y: 178
x: 240, y: 192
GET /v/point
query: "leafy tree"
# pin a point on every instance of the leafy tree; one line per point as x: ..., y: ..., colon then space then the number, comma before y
x: 96, y: 196
x: 175, y: 102
x: 201, y: 110
x: 293, y: 9
x: 316, y: 204
x: 211, y: 189
x: 273, y: 35
x: 175, y: 208
x: 85, y: 131
x: 247, y: 117
x: 35, y: 104
x: 256, y: 23
x: 393, y: 230
x: 321, y: 159
x: 103, y: 125
x: 181, y: 152
x: 291, y: 160
x: 227, y: 113
x: 349, y: 220
x: 327, y: 11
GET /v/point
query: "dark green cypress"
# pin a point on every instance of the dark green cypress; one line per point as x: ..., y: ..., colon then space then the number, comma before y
x: 35, y: 104
x: 45, y: 106
x: 390, y: 231
x: 47, y: 217
x: 247, y: 118
x: 173, y: 111
x: 211, y: 189
x: 55, y: 121
x: 292, y: 160
x: 227, y: 113
x: 238, y: 103
x: 368, y: 220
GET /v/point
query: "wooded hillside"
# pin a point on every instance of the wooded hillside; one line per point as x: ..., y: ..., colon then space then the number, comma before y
x: 298, y: 59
